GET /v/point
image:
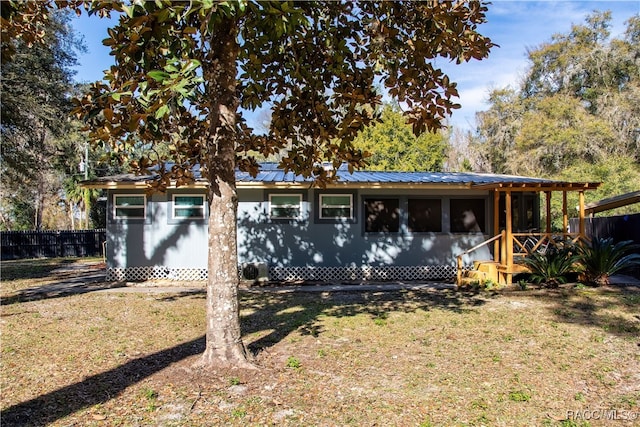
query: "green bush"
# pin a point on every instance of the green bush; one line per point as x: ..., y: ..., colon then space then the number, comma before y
x: 554, y: 267
x: 602, y: 258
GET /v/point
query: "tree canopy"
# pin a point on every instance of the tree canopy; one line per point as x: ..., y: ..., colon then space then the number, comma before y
x: 576, y: 112
x: 184, y: 70
x: 393, y: 145
x: 37, y: 148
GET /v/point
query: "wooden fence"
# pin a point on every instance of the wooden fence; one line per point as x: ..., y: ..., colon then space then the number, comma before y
x: 619, y: 228
x: 51, y: 244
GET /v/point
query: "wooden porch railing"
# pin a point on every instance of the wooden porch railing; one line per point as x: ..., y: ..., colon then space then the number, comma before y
x: 460, y: 267
x: 522, y: 245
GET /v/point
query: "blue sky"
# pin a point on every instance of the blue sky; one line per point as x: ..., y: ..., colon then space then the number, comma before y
x: 514, y: 25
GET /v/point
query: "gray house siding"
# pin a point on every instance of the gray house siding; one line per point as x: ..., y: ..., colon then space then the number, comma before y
x: 309, y: 242
x: 157, y: 245
x: 307, y: 247
x: 367, y: 225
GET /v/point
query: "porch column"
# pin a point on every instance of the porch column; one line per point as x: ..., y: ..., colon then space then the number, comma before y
x: 496, y: 224
x: 548, y: 225
x: 565, y: 213
x: 508, y: 230
x: 581, y: 227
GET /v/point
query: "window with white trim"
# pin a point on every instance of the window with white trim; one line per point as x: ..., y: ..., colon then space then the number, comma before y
x: 188, y: 206
x: 129, y: 206
x: 336, y: 206
x: 285, y: 206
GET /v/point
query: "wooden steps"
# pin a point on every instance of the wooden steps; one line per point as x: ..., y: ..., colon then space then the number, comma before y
x: 485, y: 272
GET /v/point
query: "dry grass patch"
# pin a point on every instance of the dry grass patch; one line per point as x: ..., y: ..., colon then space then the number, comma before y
x: 373, y: 358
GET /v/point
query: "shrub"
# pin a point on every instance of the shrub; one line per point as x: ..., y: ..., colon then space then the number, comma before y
x: 602, y: 258
x: 552, y: 268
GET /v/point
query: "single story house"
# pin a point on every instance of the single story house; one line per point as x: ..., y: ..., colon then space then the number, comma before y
x: 367, y: 226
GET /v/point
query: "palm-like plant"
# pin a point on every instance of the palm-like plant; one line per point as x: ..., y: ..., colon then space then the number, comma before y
x: 602, y: 258
x: 552, y: 268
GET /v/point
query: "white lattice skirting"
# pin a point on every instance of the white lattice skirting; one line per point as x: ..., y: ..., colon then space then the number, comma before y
x: 136, y: 274
x: 367, y: 273
x: 320, y: 274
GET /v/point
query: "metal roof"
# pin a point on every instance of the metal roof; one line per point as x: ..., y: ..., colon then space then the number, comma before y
x: 271, y: 175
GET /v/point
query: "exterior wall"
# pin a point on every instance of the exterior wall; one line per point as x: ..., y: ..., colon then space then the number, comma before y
x: 293, y: 248
x: 156, y: 246
x: 304, y: 248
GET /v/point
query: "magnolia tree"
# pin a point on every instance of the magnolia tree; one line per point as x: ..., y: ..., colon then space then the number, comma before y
x: 185, y: 71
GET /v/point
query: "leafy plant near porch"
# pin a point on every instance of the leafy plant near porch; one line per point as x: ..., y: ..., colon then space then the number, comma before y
x: 602, y: 258
x: 552, y: 268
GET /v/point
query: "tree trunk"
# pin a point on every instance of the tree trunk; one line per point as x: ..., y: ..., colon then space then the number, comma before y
x: 72, y: 216
x: 224, y: 345
x: 39, y: 202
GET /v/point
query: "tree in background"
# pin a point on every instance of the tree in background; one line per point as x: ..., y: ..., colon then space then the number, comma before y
x: 576, y: 115
x: 602, y: 74
x: 394, y: 146
x: 36, y: 90
x: 183, y: 71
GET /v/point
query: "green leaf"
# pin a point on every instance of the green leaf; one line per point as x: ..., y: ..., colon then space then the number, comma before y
x: 191, y: 66
x: 128, y: 10
x: 117, y: 96
x: 162, y: 111
x: 158, y: 75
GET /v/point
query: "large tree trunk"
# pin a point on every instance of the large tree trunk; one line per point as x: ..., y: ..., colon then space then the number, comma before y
x: 224, y: 345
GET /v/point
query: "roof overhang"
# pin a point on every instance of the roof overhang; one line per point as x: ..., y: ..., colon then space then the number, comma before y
x: 537, y: 187
x: 612, y: 203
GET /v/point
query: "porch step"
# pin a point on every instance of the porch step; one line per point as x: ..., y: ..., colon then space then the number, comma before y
x: 515, y: 269
x: 482, y: 271
x: 491, y: 271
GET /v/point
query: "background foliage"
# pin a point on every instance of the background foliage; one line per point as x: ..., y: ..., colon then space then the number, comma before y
x: 575, y: 116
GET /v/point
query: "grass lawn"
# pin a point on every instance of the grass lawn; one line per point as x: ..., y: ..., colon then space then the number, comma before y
x: 565, y: 357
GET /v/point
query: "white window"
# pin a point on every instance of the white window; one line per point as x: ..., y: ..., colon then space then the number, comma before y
x: 285, y: 206
x: 333, y: 206
x: 130, y: 206
x: 188, y: 206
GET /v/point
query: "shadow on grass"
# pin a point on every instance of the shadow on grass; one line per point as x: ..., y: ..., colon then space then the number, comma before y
x: 284, y: 313
x: 79, y: 284
x: 612, y: 310
x: 280, y: 313
x: 96, y: 389
x: 36, y: 268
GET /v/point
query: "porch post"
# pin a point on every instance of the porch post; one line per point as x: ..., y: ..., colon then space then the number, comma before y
x: 581, y: 214
x: 496, y: 224
x: 565, y: 213
x: 548, y: 225
x: 509, y: 232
